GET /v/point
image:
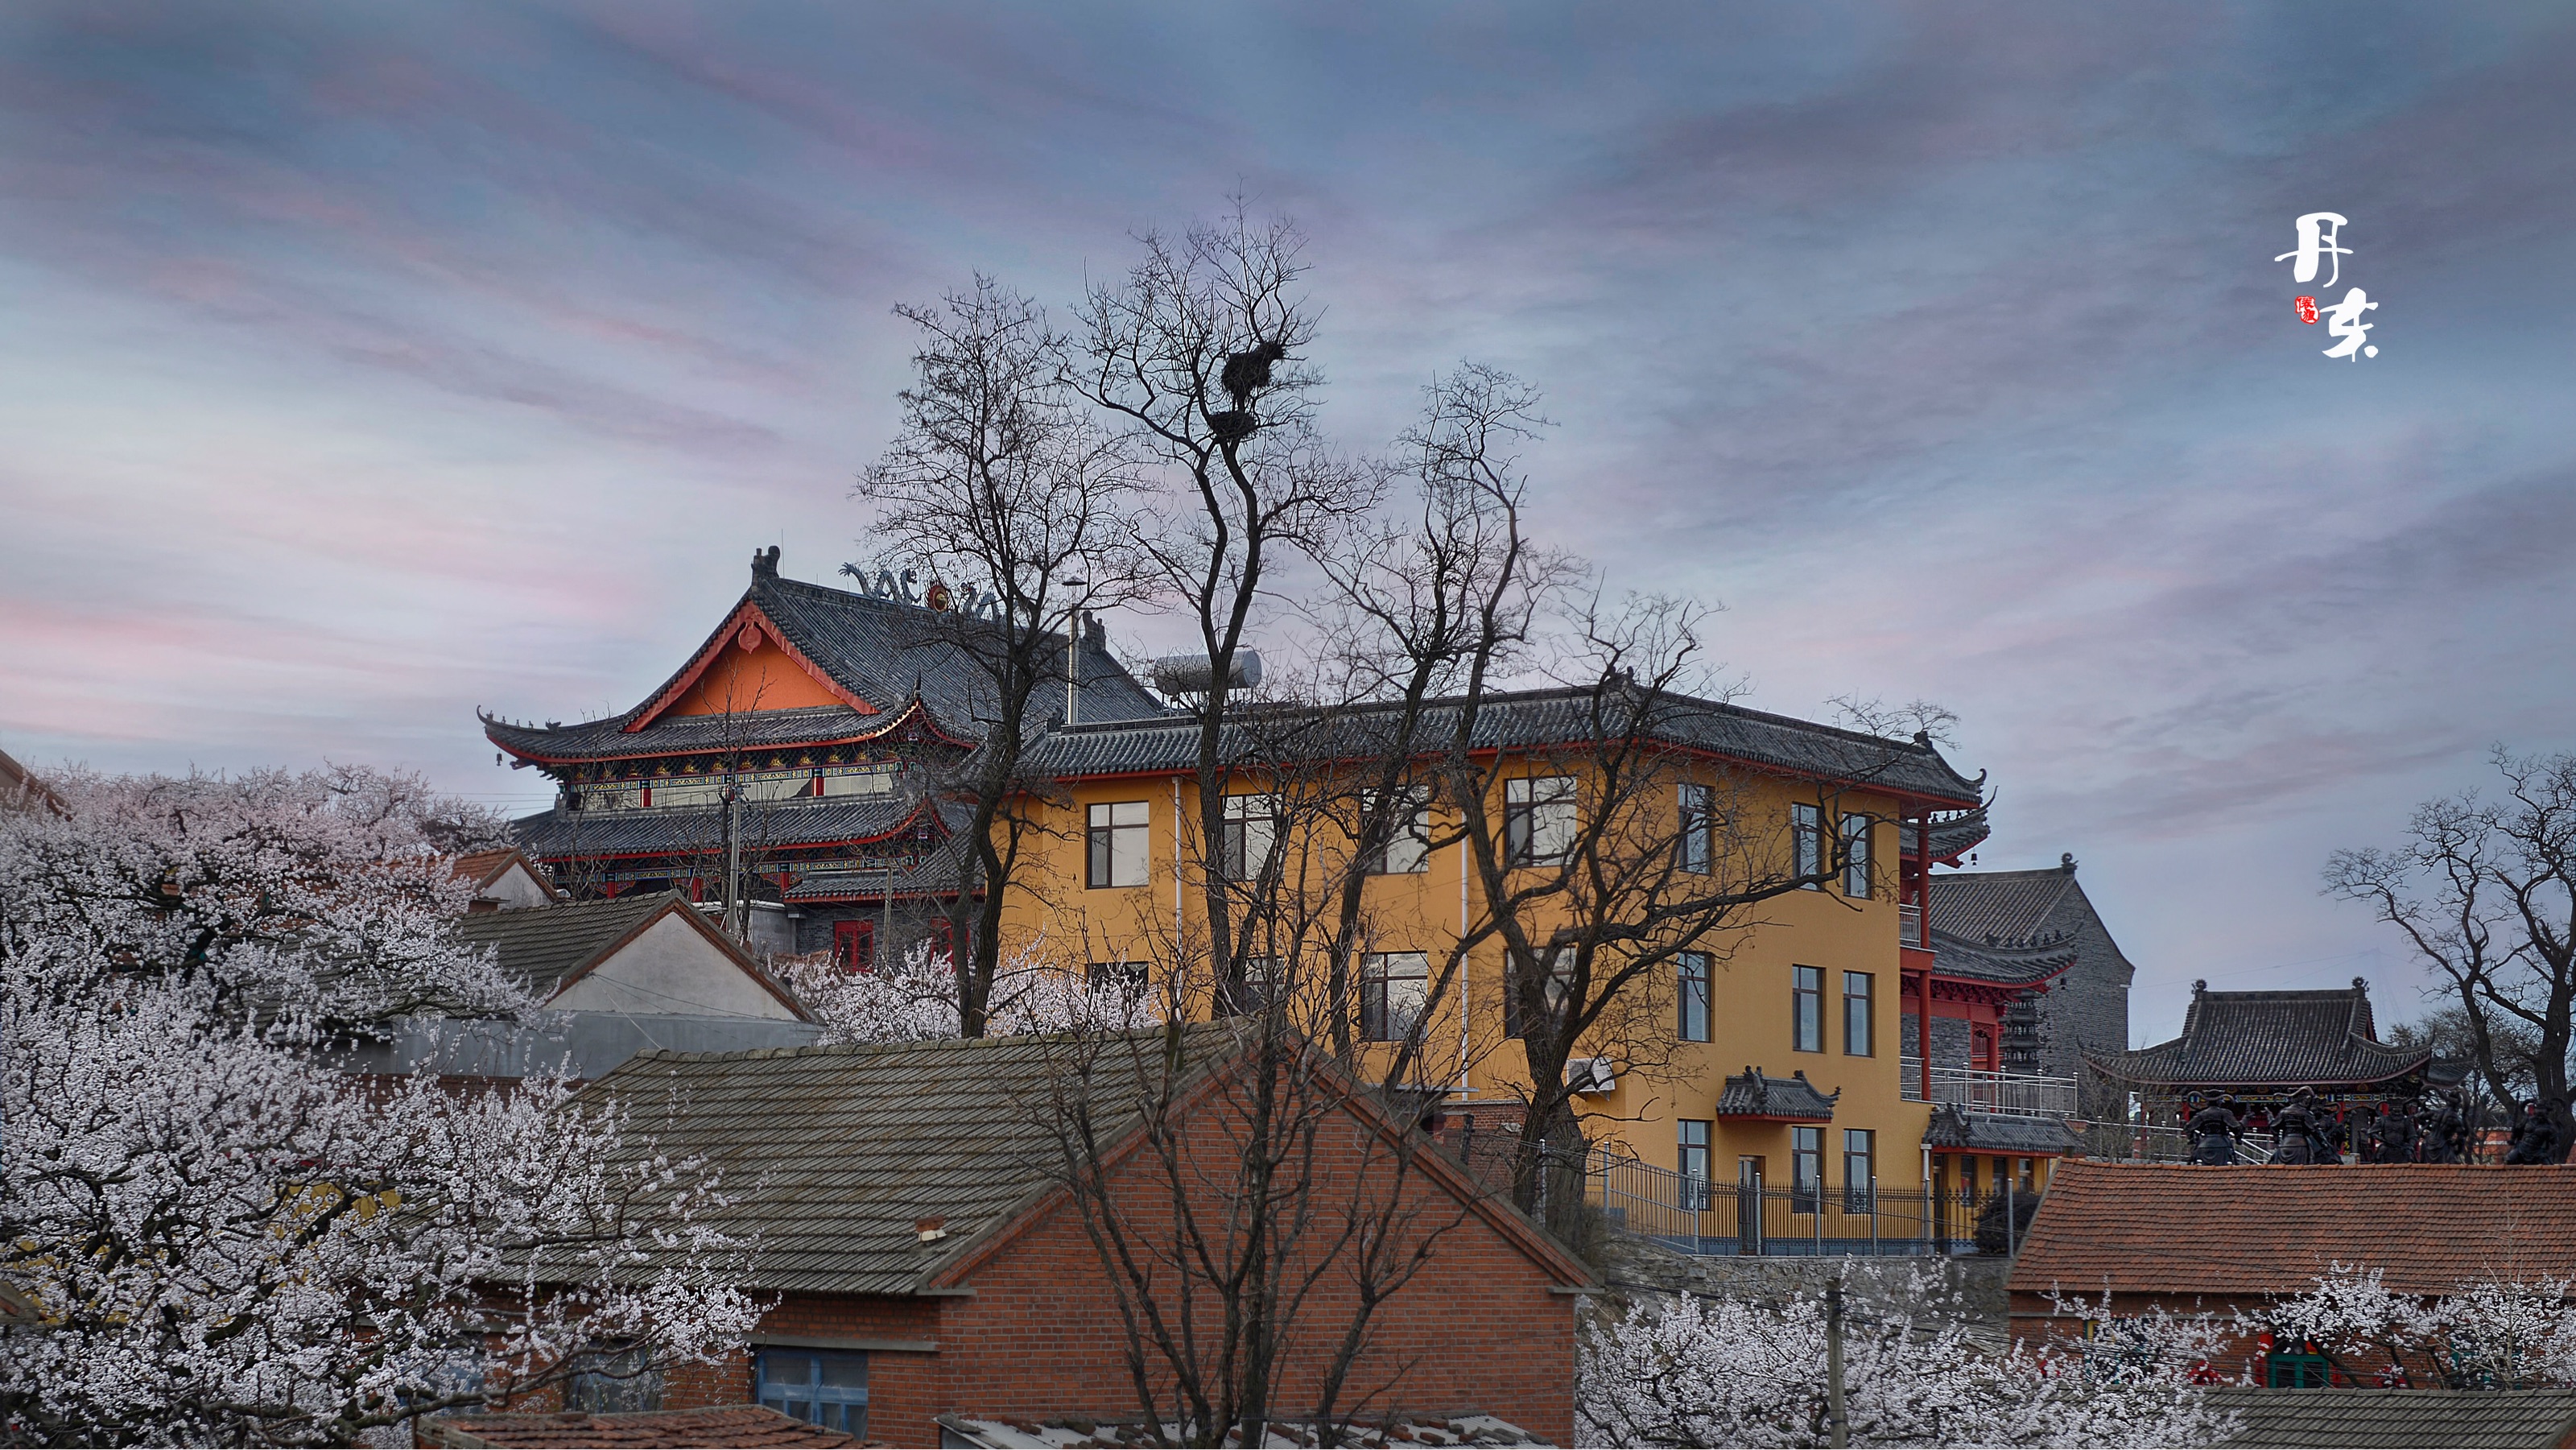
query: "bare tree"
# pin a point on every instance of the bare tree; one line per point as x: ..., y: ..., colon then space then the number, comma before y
x: 1197, y: 354
x: 2485, y: 893
x: 1003, y: 485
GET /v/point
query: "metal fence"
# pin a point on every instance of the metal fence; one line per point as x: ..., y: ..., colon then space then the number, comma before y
x: 2009, y: 1094
x: 1698, y: 1216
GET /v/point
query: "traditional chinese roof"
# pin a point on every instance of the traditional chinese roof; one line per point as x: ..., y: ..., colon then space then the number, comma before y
x: 1953, y: 834
x: 877, y: 655
x: 1533, y: 720
x: 1954, y: 1127
x: 2319, y: 1039
x: 2001, y: 908
x: 2375, y: 1419
x: 2008, y: 966
x: 2179, y: 1228
x: 722, y: 1425
x: 560, y: 834
x: 1792, y: 1099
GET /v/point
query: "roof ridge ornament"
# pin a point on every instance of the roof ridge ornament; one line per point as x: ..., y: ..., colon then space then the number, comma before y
x: 764, y: 563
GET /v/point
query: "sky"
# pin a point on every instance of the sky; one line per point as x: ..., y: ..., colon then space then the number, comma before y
x: 362, y: 365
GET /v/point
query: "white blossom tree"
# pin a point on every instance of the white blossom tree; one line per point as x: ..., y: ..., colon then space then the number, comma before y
x: 914, y: 999
x: 1723, y: 1370
x: 2495, y: 1334
x: 229, y: 1241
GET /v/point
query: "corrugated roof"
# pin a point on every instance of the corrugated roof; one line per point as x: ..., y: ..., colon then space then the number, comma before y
x: 2268, y: 1039
x: 2397, y: 1419
x: 1528, y: 720
x: 726, y: 1425
x: 543, y: 946
x: 2169, y: 1228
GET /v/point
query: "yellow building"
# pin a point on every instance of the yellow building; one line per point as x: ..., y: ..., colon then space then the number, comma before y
x: 791, y: 764
x: 1776, y: 1050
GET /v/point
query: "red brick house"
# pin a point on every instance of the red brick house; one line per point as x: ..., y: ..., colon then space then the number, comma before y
x: 2192, y: 1239
x: 928, y: 1260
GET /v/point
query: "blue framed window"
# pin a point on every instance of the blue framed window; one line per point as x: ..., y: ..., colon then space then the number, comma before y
x: 824, y: 1387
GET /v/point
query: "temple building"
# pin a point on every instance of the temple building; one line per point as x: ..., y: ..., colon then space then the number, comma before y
x: 794, y: 753
x: 2259, y: 1047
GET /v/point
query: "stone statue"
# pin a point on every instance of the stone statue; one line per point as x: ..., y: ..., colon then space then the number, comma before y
x: 2535, y: 1138
x: 2299, y: 1142
x: 2213, y: 1133
x: 2396, y: 1135
x: 2448, y: 1142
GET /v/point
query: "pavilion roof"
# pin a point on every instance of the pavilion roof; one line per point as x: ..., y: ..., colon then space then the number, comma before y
x: 2269, y: 1039
x: 561, y: 834
x: 884, y: 652
x: 1754, y: 1093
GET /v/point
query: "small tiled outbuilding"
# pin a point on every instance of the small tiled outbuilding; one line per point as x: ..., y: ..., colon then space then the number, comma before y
x: 908, y: 1206
x: 2373, y: 1419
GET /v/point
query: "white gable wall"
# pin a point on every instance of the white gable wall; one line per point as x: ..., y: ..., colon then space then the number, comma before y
x: 516, y: 888
x: 671, y: 968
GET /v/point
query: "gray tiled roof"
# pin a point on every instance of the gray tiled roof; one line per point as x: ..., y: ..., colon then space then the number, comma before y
x: 1756, y: 1094
x: 2258, y: 1039
x: 1527, y: 720
x: 879, y: 650
x: 2369, y: 1419
x: 1953, y: 833
x: 543, y: 945
x: 1997, y: 907
x: 833, y: 1153
x: 560, y: 834
x: 2004, y: 966
x: 1954, y: 1127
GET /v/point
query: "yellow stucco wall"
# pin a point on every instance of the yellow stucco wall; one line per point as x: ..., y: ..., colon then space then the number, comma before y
x: 1751, y: 978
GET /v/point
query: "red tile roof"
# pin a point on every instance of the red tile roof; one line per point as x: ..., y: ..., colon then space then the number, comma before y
x: 2168, y: 1228
x: 730, y: 1425
x: 481, y: 866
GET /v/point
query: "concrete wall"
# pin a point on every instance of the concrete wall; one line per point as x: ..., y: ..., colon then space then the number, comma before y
x: 671, y: 968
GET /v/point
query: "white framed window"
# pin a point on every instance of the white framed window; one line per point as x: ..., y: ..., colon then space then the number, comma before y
x: 1692, y: 990
x: 1407, y: 848
x: 1394, y: 989
x: 1119, y: 844
x: 1251, y: 832
x: 1698, y: 812
x: 1856, y: 884
x: 1538, y: 819
x: 1807, y: 842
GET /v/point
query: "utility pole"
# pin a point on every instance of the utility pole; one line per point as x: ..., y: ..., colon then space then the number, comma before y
x: 1837, y: 1428
x: 733, y: 912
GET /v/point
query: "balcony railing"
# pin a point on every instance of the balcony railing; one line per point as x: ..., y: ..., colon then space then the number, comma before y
x: 2008, y: 1094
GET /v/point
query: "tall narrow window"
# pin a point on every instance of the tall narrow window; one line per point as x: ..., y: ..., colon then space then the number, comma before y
x: 1856, y: 857
x: 1538, y: 819
x: 1858, y: 1038
x: 1807, y: 1009
x: 1806, y: 1168
x: 821, y: 1387
x: 1692, y: 994
x: 1393, y: 989
x: 1807, y: 842
x: 1119, y: 845
x: 854, y: 945
x: 1407, y: 847
x: 1555, y: 983
x: 1698, y: 806
x: 1251, y: 829
x: 1691, y: 1160
x: 1860, y: 1167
